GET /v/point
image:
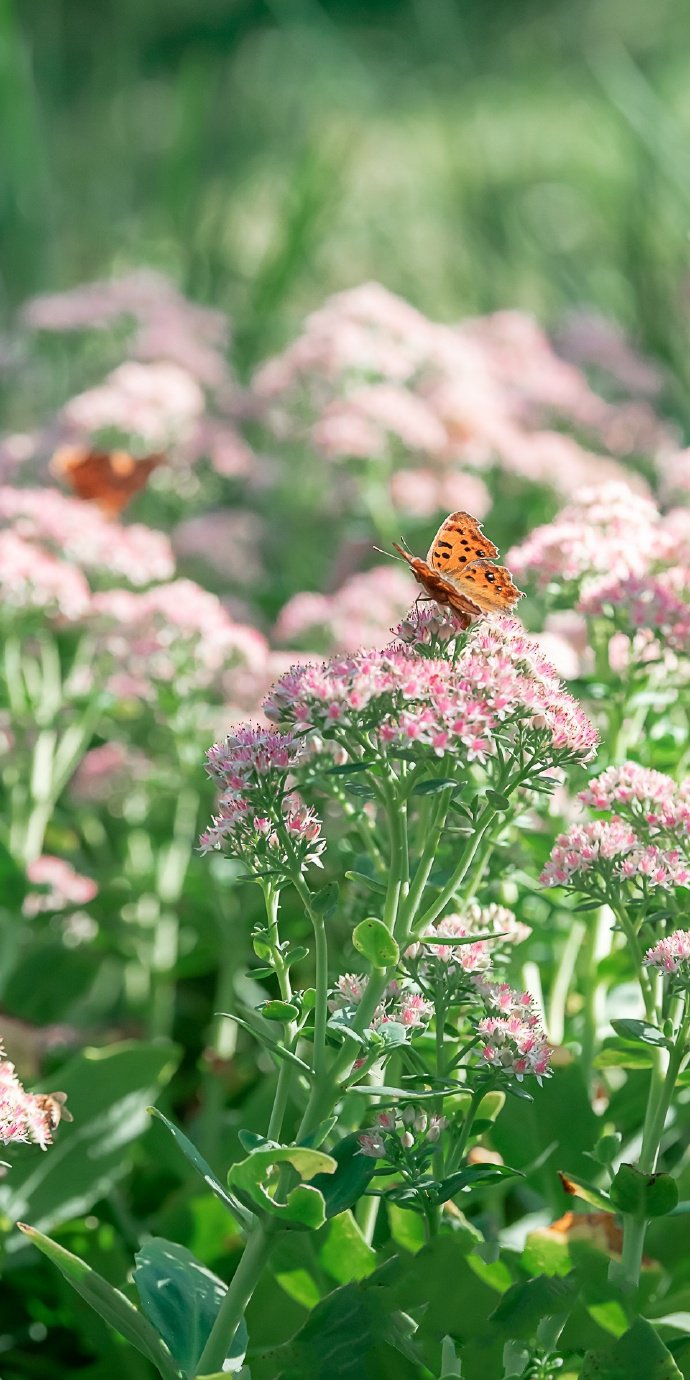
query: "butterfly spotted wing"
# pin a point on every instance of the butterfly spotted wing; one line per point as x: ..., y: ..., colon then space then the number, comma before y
x: 459, y: 571
x: 108, y: 478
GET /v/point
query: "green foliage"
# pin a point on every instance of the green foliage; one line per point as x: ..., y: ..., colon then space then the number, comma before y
x: 109, y: 1303
x: 303, y: 1205
x: 374, y: 941
x: 109, y: 1091
x: 181, y: 1298
x: 637, y: 1355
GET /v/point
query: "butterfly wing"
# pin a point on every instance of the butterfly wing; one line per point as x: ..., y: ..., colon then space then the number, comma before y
x: 458, y: 542
x: 444, y: 591
x: 108, y: 478
x: 488, y: 586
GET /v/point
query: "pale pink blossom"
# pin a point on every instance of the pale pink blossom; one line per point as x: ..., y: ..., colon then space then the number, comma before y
x: 424, y: 493
x: 24, y: 1116
x: 60, y: 886
x: 31, y: 579
x: 140, y: 555
x: 670, y: 955
x: 155, y: 403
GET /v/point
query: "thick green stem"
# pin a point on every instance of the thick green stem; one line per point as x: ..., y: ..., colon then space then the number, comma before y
x: 447, y: 893
x: 242, y: 1286
x: 662, y: 1084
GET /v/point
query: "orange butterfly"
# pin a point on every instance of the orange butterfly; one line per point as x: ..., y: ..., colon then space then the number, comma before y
x: 459, y: 571
x: 108, y: 478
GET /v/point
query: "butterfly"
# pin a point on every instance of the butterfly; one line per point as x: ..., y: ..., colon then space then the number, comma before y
x: 459, y: 571
x: 108, y: 478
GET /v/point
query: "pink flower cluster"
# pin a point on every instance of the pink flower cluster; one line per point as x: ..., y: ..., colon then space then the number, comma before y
x: 155, y: 404
x: 655, y: 605
x: 671, y: 954
x: 497, y: 922
x: 376, y: 378
x: 652, y: 797
x: 608, y: 531
x: 31, y: 580
x: 515, y: 1044
x: 394, y: 1131
x: 404, y: 700
x: 168, y: 327
x: 258, y: 819
x: 24, y: 1116
x: 176, y: 633
x: 589, y: 848
x: 61, y: 886
x: 68, y: 528
x: 400, y: 1004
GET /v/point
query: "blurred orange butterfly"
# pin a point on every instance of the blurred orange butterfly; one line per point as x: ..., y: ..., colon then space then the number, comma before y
x: 108, y: 478
x: 459, y: 570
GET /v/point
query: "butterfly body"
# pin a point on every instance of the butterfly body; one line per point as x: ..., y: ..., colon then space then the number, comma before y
x: 459, y: 570
x: 108, y: 478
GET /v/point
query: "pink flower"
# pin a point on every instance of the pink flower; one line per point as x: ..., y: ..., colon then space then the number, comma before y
x: 608, y: 531
x: 359, y: 614
x: 64, y: 886
x: 69, y: 529
x: 32, y: 580
x: 403, y: 698
x: 156, y: 403
x: 515, y: 1043
x: 671, y: 954
x: 24, y: 1116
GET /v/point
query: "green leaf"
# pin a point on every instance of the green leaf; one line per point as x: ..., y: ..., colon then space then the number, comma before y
x: 353, y: 1333
x: 498, y: 802
x: 375, y: 941
x: 344, y: 1253
x: 640, y: 1032
x: 372, y: 882
x: 434, y: 785
x: 351, y: 768
x: 473, y: 1176
x: 275, y: 1010
x: 181, y: 1299
x: 109, y: 1091
x: 342, y: 1188
x: 198, y: 1162
x: 108, y: 1302
x: 623, y: 1054
x: 643, y: 1195
x: 580, y: 1188
x: 304, y: 1205
x: 637, y: 1355
x: 325, y: 901
x: 525, y: 1304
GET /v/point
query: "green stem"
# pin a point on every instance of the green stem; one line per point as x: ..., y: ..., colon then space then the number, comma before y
x: 662, y: 1084
x: 457, y: 1154
x: 562, y: 982
x: 320, y: 975
x: 242, y: 1286
x: 447, y: 892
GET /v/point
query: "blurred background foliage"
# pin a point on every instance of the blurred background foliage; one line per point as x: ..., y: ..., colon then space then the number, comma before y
x: 471, y: 154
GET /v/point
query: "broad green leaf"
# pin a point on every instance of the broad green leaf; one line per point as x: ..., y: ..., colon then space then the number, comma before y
x: 637, y: 1355
x: 434, y: 785
x: 181, y: 1299
x: 109, y: 1091
x: 354, y: 1333
x: 623, y: 1054
x: 643, y: 1195
x: 108, y: 1302
x: 498, y: 802
x: 640, y: 1032
x: 344, y: 1253
x: 525, y: 1304
x: 304, y: 1205
x: 342, y: 1187
x: 580, y: 1188
x: 372, y: 939
x: 198, y: 1162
